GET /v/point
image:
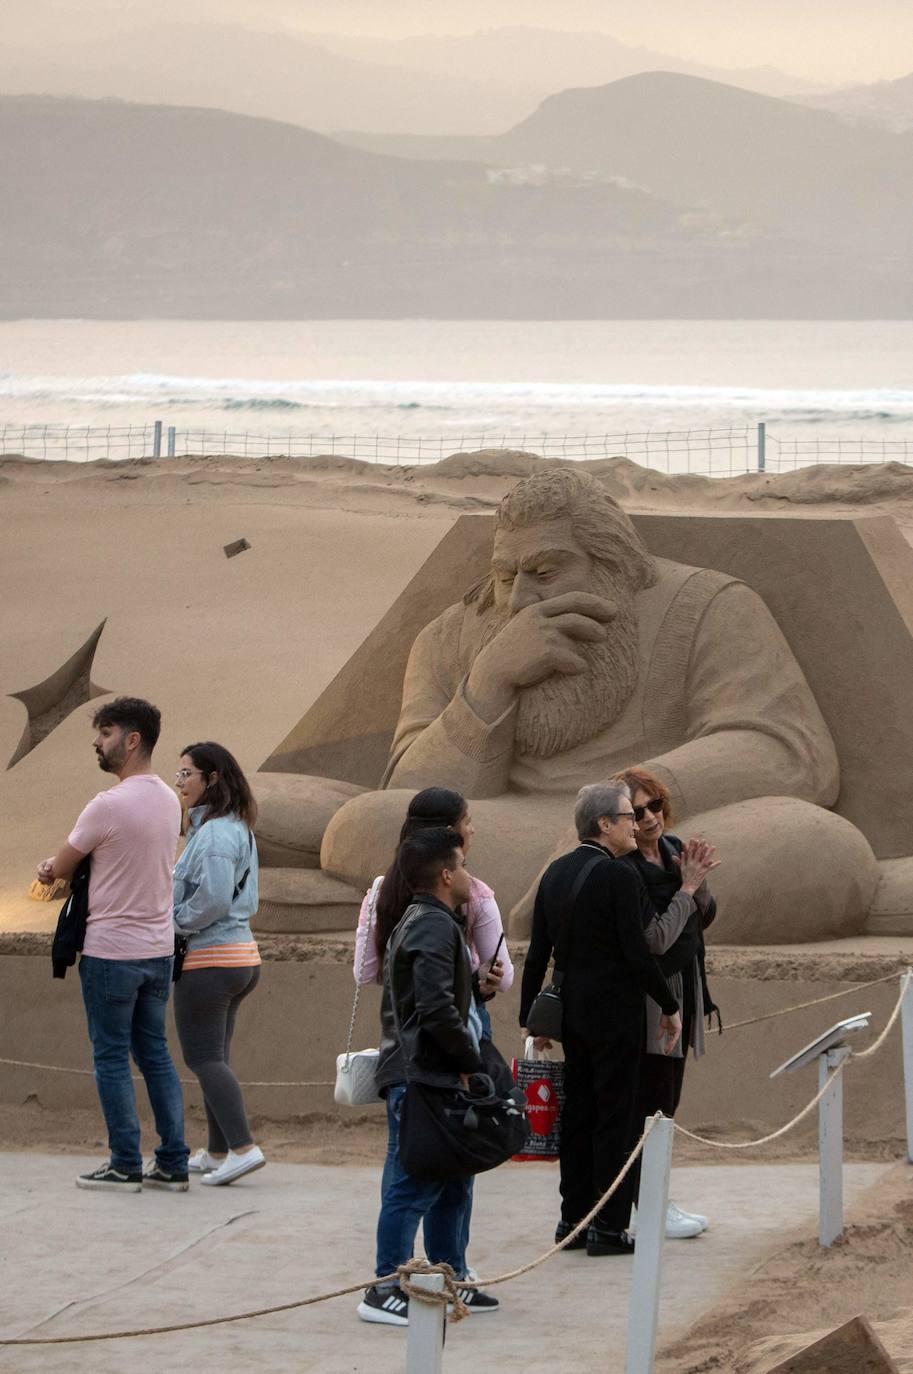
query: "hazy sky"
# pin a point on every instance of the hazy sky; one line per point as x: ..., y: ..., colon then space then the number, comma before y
x: 838, y: 41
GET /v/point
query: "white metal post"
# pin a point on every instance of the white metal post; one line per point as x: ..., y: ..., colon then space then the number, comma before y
x: 762, y: 446
x: 157, y: 439
x: 643, y: 1309
x: 171, y: 441
x: 906, y: 1028
x: 425, y: 1341
x: 830, y: 1147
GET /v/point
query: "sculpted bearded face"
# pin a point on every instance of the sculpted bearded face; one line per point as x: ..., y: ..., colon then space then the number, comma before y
x: 554, y: 535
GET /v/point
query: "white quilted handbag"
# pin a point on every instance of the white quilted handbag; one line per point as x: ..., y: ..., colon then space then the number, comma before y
x: 355, y: 1068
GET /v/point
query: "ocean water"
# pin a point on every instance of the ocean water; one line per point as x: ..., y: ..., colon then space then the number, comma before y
x: 678, y: 393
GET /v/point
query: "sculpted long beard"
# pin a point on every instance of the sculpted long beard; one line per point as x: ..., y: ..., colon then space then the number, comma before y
x: 563, y: 711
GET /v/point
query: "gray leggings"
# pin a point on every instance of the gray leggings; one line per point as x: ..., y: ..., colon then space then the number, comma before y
x: 206, y: 1002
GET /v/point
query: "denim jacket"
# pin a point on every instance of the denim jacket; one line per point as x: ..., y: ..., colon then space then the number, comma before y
x: 208, y: 909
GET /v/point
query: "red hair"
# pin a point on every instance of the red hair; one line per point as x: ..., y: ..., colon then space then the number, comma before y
x: 638, y: 779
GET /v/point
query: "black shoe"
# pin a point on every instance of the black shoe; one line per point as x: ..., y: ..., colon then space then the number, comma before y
x: 156, y: 1177
x: 600, y: 1242
x: 477, y: 1301
x: 389, y: 1306
x: 564, y: 1228
x: 115, y: 1180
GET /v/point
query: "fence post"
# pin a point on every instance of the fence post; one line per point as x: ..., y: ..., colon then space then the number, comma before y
x: 425, y: 1341
x: 171, y: 441
x: 906, y: 1031
x: 643, y: 1309
x: 830, y: 1148
x: 762, y: 446
x: 157, y: 439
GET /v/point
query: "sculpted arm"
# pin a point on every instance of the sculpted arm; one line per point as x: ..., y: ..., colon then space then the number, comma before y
x: 439, y: 734
x: 754, y: 727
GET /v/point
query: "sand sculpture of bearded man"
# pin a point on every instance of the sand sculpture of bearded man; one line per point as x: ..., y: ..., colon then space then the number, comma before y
x: 580, y: 654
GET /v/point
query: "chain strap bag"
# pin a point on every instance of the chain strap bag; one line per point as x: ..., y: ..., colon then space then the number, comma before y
x: 355, y: 1068
x: 547, y: 1011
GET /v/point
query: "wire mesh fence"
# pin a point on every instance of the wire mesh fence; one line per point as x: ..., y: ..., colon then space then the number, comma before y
x: 727, y: 451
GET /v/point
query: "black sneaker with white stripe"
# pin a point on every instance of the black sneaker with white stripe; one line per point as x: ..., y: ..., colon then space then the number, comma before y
x: 389, y: 1306
x: 114, y: 1180
x: 477, y: 1301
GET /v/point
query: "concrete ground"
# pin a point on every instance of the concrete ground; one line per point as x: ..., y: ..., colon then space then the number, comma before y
x: 80, y: 1261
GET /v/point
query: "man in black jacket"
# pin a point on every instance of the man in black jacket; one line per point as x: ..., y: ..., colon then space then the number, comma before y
x: 426, y: 1037
x: 607, y: 969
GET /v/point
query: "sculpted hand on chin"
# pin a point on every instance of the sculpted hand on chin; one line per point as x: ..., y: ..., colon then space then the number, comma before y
x: 534, y: 644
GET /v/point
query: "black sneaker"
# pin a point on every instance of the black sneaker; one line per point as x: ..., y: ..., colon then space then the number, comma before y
x: 600, y: 1242
x: 156, y: 1177
x: 564, y: 1228
x: 115, y: 1180
x: 389, y: 1306
x: 477, y: 1301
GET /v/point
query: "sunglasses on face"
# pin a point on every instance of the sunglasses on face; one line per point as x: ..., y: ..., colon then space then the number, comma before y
x: 654, y: 807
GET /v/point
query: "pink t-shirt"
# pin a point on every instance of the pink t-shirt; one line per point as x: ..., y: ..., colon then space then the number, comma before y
x: 131, y: 831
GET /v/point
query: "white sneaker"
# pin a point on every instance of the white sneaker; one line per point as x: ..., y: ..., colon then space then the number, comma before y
x: 201, y: 1162
x: 679, y: 1225
x: 680, y: 1214
x: 235, y: 1166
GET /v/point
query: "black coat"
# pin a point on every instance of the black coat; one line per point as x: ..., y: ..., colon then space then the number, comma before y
x: 425, y: 1003
x: 609, y: 967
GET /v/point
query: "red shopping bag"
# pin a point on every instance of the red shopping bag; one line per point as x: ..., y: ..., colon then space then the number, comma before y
x: 542, y: 1082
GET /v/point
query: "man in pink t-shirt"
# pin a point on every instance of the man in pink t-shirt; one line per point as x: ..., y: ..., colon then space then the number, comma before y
x: 131, y: 832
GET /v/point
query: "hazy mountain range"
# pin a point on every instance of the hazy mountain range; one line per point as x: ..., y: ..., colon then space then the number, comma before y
x: 657, y: 195
x: 481, y: 83
x: 772, y: 164
x: 888, y: 104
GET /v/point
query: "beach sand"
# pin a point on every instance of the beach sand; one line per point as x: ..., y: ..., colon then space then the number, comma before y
x: 237, y: 649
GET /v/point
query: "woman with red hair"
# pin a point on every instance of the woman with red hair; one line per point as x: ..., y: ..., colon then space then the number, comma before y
x: 678, y: 945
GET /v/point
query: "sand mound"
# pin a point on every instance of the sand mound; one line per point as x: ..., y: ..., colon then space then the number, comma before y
x: 802, y: 1292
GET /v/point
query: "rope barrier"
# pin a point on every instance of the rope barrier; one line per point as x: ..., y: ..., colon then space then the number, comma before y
x: 449, y: 1295
x: 815, y: 1002
x: 854, y: 1054
x: 187, y: 1082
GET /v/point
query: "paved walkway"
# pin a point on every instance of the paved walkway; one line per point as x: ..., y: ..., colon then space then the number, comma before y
x: 80, y: 1261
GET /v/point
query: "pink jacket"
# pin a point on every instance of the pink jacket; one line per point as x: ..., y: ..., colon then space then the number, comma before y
x: 483, y: 931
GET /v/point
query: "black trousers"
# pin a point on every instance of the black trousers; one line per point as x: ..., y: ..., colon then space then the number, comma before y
x: 601, y: 1071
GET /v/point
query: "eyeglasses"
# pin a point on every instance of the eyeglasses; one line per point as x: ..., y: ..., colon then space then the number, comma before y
x: 184, y: 773
x: 626, y: 816
x: 654, y: 807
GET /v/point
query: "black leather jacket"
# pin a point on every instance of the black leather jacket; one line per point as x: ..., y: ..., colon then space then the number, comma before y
x: 425, y: 1004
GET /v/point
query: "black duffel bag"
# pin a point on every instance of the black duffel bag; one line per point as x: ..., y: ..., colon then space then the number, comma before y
x: 449, y: 1133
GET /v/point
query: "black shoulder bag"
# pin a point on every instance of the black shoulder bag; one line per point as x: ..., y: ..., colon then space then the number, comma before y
x: 547, y: 1011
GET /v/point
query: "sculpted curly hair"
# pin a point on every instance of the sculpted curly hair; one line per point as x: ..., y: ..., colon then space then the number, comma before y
x: 601, y: 526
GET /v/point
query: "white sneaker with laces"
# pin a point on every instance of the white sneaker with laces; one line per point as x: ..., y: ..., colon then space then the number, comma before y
x: 679, y: 1213
x: 235, y: 1166
x: 679, y: 1225
x: 201, y: 1161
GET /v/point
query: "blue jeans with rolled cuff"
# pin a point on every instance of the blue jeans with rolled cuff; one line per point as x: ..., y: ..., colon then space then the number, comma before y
x: 125, y: 1003
x: 406, y: 1201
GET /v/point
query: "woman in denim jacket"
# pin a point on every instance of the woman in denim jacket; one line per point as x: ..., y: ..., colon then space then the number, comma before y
x: 215, y: 895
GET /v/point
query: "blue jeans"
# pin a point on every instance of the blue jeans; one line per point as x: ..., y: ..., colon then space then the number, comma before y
x: 125, y: 1007
x: 405, y: 1201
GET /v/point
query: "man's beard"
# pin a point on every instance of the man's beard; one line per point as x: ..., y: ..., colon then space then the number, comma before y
x: 113, y: 761
x: 565, y: 710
